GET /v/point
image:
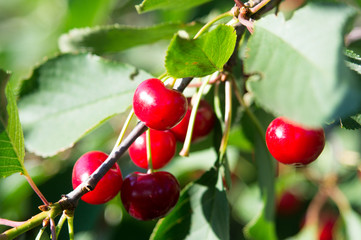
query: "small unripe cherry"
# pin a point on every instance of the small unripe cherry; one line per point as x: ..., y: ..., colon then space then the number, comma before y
x: 291, y: 143
x: 108, y: 186
x: 158, y: 107
x: 203, y: 123
x: 163, y: 147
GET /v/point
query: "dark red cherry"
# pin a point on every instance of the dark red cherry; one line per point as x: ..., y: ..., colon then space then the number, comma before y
x: 158, y: 107
x: 326, y: 228
x: 163, y: 148
x: 291, y: 143
x: 203, y: 123
x: 288, y: 204
x: 148, y: 196
x: 107, y: 188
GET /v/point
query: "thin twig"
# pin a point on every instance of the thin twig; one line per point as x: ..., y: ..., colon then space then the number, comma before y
x: 35, y: 188
x: 10, y: 223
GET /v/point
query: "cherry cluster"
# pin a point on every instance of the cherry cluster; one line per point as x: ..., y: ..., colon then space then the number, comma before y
x: 166, y: 112
x: 146, y: 196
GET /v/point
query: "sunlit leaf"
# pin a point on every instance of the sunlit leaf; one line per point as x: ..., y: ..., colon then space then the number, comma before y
x: 11, y: 135
x: 68, y: 96
x: 114, y: 38
x: 202, y: 56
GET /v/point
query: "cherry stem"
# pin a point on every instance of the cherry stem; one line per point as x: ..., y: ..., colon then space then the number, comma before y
x: 60, y: 224
x: 227, y: 119
x: 125, y: 127
x: 340, y: 199
x: 315, y: 207
x: 40, y: 233
x: 250, y: 114
x: 10, y: 223
x: 70, y: 218
x: 149, y: 152
x: 35, y: 188
x: 210, y: 23
x: 260, y: 5
x: 52, y: 229
x: 195, y: 103
x: 217, y: 105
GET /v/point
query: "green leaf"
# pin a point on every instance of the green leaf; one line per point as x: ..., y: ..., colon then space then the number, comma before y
x: 262, y: 226
x: 151, y: 5
x: 68, y: 96
x: 11, y: 135
x: 353, y: 61
x: 202, y: 212
x: 352, y: 223
x: 298, y: 65
x: 79, y: 14
x: 353, y: 122
x: 114, y: 38
x: 202, y: 56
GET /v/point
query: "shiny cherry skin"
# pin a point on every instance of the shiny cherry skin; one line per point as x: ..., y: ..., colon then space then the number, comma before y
x: 158, y: 107
x: 163, y: 147
x: 107, y: 188
x: 203, y: 123
x: 288, y: 204
x: 148, y: 196
x: 290, y: 143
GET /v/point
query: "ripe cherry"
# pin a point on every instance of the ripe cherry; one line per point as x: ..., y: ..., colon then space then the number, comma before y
x: 203, y: 123
x: 163, y: 147
x: 288, y: 204
x: 148, y: 196
x: 327, y: 228
x: 290, y: 143
x: 107, y: 188
x: 158, y: 107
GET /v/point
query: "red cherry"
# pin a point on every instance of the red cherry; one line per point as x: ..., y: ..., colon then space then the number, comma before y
x: 107, y: 188
x: 326, y: 229
x: 163, y: 147
x: 288, y: 204
x: 149, y: 196
x: 290, y: 143
x: 203, y: 123
x: 158, y: 107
